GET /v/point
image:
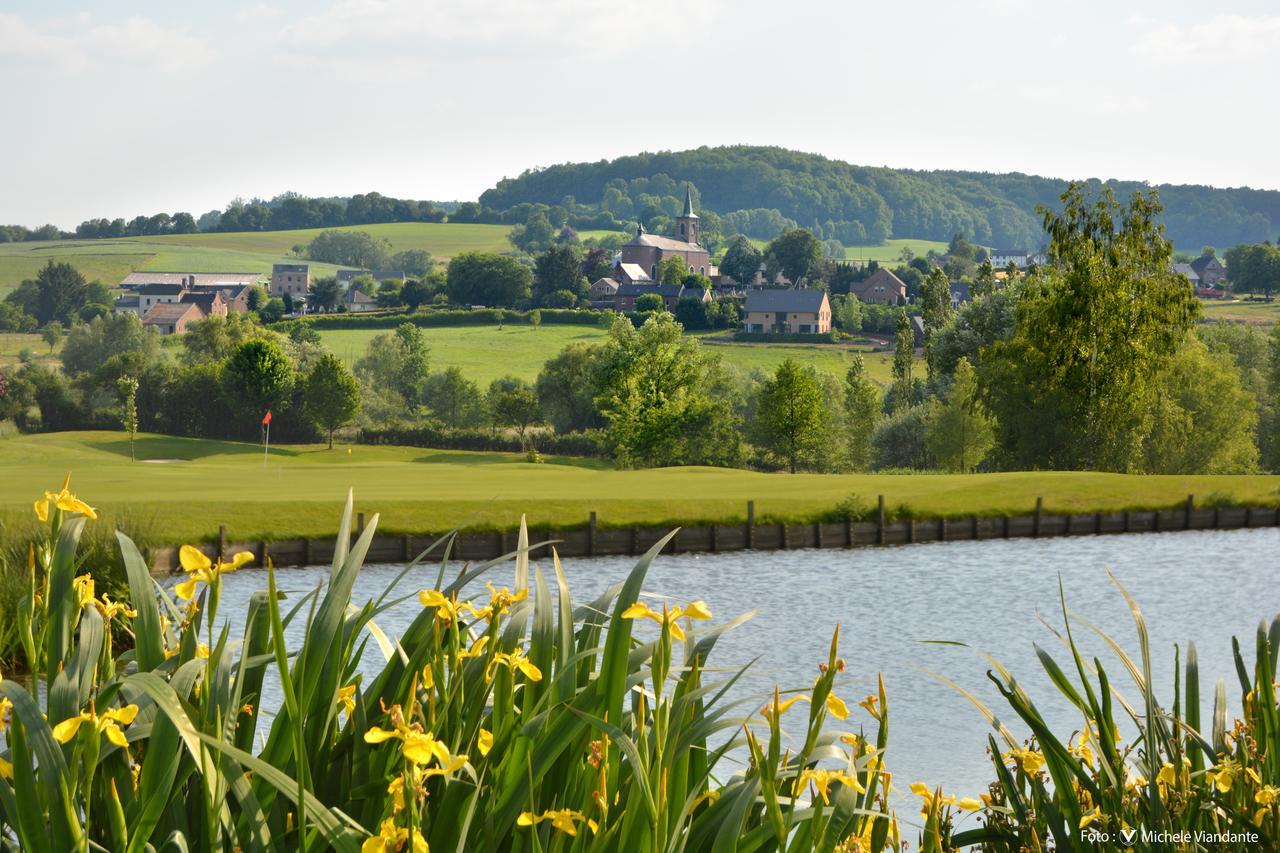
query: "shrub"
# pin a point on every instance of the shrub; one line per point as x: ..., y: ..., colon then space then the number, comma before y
x: 440, y: 437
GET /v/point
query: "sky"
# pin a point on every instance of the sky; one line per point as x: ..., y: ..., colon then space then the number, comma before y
x: 135, y: 108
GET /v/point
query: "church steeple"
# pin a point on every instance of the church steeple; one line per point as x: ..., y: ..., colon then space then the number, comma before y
x: 687, y: 222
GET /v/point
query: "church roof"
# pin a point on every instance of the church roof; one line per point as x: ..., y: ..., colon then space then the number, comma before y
x: 688, y: 203
x: 669, y: 244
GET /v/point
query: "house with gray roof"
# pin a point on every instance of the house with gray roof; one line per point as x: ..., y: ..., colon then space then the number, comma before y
x: 791, y: 312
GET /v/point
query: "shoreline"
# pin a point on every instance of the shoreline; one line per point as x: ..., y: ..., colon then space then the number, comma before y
x: 596, y: 541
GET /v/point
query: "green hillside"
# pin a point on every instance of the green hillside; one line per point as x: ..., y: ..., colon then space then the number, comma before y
x: 110, y: 260
x: 867, y: 205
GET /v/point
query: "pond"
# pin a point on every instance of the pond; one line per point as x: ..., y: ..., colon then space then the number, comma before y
x: 1197, y: 586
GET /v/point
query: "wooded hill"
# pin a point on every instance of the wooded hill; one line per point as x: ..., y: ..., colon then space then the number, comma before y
x: 862, y: 205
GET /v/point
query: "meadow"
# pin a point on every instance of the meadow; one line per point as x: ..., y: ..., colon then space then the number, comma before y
x: 13, y: 343
x: 186, y: 487
x: 485, y: 353
x: 110, y: 260
x: 1257, y: 313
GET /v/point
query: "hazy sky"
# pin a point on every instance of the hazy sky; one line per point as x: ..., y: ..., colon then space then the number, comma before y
x: 139, y: 107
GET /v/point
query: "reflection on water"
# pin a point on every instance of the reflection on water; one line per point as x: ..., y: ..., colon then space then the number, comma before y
x: 1198, y: 586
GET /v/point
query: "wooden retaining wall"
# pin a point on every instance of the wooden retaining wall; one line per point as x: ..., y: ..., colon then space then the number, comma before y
x: 594, y: 540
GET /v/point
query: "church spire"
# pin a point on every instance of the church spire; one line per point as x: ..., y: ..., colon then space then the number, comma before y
x: 688, y: 203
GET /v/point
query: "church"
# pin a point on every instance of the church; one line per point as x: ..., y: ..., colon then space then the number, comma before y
x: 645, y: 252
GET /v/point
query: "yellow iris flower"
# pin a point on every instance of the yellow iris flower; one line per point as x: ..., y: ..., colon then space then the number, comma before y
x: 835, y: 706
x: 347, y: 698
x: 929, y: 798
x: 107, y: 723
x: 565, y: 820
x: 695, y: 610
x: 823, y: 779
x: 1028, y: 759
x: 1223, y: 776
x: 513, y: 661
x: 447, y: 609
x: 200, y: 569
x: 485, y: 741
x: 1267, y: 795
x: 418, y: 746
x: 1091, y: 817
x: 63, y: 500
x: 391, y: 838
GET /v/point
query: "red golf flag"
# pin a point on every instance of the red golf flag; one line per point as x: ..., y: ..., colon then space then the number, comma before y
x: 266, y: 418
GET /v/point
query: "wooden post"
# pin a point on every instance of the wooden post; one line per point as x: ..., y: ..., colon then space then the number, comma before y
x: 911, y: 531
x: 1005, y: 526
x: 406, y: 548
x: 751, y: 525
x: 591, y: 535
x: 973, y: 526
x: 1217, y: 518
x: 222, y: 541
x: 675, y: 542
x: 1097, y: 523
x: 817, y: 533
x: 848, y: 532
x: 880, y: 520
x: 631, y: 548
x: 782, y: 534
x: 715, y: 538
x: 1126, y: 521
x: 1035, y: 531
x: 359, y: 523
x: 306, y: 552
x: 1191, y: 505
x: 1248, y: 516
x: 263, y: 553
x: 942, y: 529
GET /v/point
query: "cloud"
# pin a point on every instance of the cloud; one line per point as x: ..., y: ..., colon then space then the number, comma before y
x: 1222, y: 39
x: 516, y: 25
x: 79, y: 44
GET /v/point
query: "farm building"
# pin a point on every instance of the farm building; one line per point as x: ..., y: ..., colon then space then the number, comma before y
x: 794, y: 312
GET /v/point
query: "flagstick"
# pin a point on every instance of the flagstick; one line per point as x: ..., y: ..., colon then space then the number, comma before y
x: 266, y: 445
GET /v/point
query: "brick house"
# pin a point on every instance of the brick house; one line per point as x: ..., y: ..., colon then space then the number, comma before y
x: 625, y: 297
x: 211, y: 304
x: 602, y: 292
x: 882, y: 287
x: 793, y: 312
x: 293, y: 279
x: 1210, y: 270
x: 172, y: 318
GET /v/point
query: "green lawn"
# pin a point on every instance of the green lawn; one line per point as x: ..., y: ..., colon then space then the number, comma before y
x: 201, y: 483
x: 884, y: 254
x: 1261, y: 313
x: 109, y: 261
x: 484, y: 352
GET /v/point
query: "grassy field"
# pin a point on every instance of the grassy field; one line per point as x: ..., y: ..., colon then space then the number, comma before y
x: 1259, y: 313
x: 13, y: 343
x: 484, y: 353
x: 192, y: 485
x: 109, y: 261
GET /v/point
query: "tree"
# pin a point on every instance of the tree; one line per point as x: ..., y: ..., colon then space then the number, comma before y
x: 959, y: 431
x: 324, y: 295
x: 349, y: 248
x: 650, y: 303
x: 512, y: 403
x: 978, y: 324
x: 257, y: 378
x: 861, y: 411
x: 1074, y: 386
x: 478, y: 278
x: 413, y: 294
x: 672, y: 269
x: 846, y: 313
x: 389, y: 293
x: 791, y: 419
x: 984, y: 284
x: 1254, y: 269
x: 535, y: 319
x: 1203, y: 420
x: 51, y: 334
x: 536, y: 234
x: 367, y: 285
x: 128, y: 387
x: 272, y: 311
x: 567, y: 388
x: 397, y: 362
x: 904, y: 349
x: 661, y: 395
x: 559, y: 268
x: 414, y: 263
x: 741, y: 260
x: 794, y: 254
x: 330, y: 395
x: 453, y: 398
x: 90, y: 345
x: 213, y: 339
x: 62, y: 292
x: 935, y: 311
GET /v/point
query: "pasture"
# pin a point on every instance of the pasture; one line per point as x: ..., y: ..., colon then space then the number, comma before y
x: 110, y: 260
x: 485, y: 353
x: 1256, y: 313
x: 186, y: 487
